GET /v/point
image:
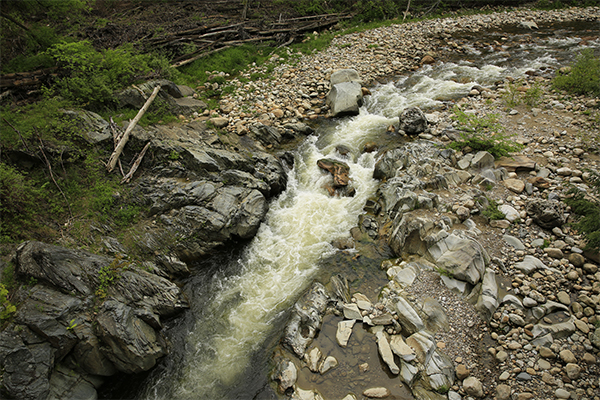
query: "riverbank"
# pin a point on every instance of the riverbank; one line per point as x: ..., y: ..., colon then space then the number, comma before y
x: 509, y: 353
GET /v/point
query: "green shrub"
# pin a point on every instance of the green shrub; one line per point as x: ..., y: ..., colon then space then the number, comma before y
x: 491, y: 212
x: 19, y: 201
x: 588, y: 211
x: 93, y: 76
x: 483, y: 134
x: 7, y: 309
x: 584, y: 77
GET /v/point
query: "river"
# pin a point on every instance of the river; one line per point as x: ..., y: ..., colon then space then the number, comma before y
x: 240, y: 296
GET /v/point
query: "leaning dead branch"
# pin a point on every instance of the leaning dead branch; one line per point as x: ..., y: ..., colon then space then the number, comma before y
x: 135, y: 165
x: 112, y: 161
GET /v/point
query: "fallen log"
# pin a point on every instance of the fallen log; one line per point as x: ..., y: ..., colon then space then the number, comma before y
x: 184, y: 62
x: 112, y: 161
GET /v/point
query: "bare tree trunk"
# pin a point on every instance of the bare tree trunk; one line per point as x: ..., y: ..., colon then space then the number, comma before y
x: 406, y: 12
x: 112, y: 161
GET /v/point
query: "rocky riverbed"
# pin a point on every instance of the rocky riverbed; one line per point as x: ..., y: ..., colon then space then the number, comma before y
x: 507, y: 308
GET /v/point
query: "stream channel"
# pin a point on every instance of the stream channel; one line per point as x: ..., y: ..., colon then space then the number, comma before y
x: 240, y: 296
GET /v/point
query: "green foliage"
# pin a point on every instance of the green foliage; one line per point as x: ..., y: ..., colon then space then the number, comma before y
x: 72, y: 325
x: 174, y: 156
x: 444, y: 272
x: 492, y: 212
x: 109, y: 274
x: 483, y: 134
x: 533, y: 96
x: 18, y: 203
x: 8, y: 277
x: 7, y: 309
x: 584, y: 77
x: 93, y: 76
x: 588, y: 211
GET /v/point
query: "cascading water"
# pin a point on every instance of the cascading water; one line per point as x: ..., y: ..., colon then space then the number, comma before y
x: 238, y: 303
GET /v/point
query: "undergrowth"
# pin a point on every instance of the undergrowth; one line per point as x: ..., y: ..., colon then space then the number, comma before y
x: 583, y: 77
x: 587, y: 209
x: 482, y: 133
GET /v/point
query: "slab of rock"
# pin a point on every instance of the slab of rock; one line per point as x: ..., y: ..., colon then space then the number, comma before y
x: 516, y: 163
x: 408, y: 316
x: 482, y: 160
x: 530, y: 264
x: 464, y: 258
x: 344, y: 331
x: 377, y: 393
x: 344, y: 75
x: 401, y: 349
x: 385, y: 352
x: 514, y: 185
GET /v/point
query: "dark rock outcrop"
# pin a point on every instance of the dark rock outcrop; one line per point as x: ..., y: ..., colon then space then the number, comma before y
x: 56, y: 327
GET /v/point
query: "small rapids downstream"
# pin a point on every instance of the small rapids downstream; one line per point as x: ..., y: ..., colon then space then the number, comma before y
x: 240, y: 297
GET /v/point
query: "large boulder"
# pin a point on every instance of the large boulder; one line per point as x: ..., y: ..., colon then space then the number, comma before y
x: 462, y: 258
x: 345, y: 99
x: 413, y: 121
x: 547, y: 214
x: 132, y: 345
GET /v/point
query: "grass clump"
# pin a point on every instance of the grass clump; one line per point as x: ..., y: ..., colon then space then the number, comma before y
x: 483, y: 133
x: 109, y: 274
x: 491, y: 212
x: 583, y: 77
x: 588, y: 211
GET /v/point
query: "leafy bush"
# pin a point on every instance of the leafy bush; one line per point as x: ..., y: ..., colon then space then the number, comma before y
x: 588, y: 210
x: 19, y: 200
x: 491, y: 212
x: 6, y: 307
x: 584, y: 77
x: 93, y: 76
x: 483, y: 134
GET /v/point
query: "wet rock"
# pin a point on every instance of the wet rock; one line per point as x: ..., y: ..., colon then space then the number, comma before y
x: 340, y: 172
x: 306, y: 320
x: 385, y: 352
x: 377, y: 393
x: 328, y: 363
x: 413, y: 121
x: 313, y: 359
x: 344, y: 331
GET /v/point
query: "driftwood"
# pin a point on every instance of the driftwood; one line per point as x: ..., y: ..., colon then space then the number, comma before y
x: 135, y: 165
x: 216, y: 38
x: 112, y: 161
